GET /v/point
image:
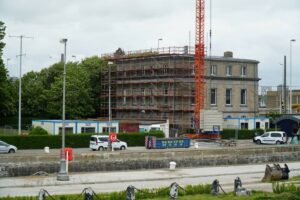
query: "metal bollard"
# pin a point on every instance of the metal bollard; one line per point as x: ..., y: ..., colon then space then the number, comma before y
x: 237, y: 184
x: 42, y: 194
x: 130, y: 193
x: 174, y: 190
x: 215, y: 187
x: 88, y: 194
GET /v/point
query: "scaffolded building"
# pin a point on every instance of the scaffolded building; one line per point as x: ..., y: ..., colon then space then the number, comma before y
x: 158, y: 84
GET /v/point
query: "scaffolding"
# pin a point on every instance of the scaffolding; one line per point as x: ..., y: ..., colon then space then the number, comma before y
x: 153, y: 84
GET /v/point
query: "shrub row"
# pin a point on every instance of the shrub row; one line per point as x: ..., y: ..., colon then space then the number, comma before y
x: 242, y: 134
x: 74, y: 141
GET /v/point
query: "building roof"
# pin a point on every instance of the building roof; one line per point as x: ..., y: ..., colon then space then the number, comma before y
x: 164, y: 52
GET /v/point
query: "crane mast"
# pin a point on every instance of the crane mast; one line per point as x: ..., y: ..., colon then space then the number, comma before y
x: 199, y: 63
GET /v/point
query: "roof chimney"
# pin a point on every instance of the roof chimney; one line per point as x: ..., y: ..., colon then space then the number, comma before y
x: 228, y: 54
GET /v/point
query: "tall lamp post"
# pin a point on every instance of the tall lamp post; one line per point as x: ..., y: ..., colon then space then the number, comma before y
x: 109, y: 104
x: 159, y: 39
x: 63, y: 174
x: 291, y: 90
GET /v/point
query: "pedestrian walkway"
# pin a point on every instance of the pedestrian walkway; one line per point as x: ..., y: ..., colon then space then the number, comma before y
x: 250, y: 175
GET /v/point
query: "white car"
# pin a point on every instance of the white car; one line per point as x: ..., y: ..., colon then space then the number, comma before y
x: 7, y: 148
x: 100, y: 142
x: 271, y: 137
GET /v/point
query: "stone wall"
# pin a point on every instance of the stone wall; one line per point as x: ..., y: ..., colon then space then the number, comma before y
x: 148, y: 159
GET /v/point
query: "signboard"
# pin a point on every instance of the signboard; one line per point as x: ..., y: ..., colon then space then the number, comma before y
x: 112, y: 137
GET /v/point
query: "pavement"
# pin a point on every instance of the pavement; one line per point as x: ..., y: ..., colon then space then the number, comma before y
x: 250, y: 175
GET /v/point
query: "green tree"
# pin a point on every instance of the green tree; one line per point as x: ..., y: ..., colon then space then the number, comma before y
x: 7, y: 102
x: 34, y: 95
x: 78, y: 94
x: 94, y: 66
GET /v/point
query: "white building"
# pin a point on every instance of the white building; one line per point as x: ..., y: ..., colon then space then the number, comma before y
x: 246, y: 123
x: 54, y: 127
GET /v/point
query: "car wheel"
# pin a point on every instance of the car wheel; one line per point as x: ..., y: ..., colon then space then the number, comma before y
x: 101, y: 149
x: 122, y: 148
x: 11, y: 151
x: 258, y: 142
x: 278, y: 142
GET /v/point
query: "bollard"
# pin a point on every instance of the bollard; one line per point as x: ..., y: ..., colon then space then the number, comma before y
x: 239, y: 190
x: 215, y: 187
x: 42, y: 194
x: 172, y: 165
x: 88, y: 194
x: 237, y: 184
x: 174, y: 190
x: 130, y: 193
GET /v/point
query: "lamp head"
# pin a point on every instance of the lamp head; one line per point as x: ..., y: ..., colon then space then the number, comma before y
x: 63, y: 40
x: 110, y: 63
x: 293, y: 40
x: 160, y: 39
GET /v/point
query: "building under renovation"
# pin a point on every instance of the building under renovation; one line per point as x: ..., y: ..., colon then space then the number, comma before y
x: 158, y: 84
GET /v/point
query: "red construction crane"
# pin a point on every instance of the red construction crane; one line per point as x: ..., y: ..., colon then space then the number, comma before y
x: 199, y: 63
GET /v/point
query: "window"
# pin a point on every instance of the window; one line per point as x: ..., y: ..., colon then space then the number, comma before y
x: 151, y: 96
x: 228, y: 70
x: 243, y: 96
x: 165, y: 70
x: 228, y: 96
x: 243, y: 70
x: 213, y: 96
x: 124, y: 97
x: 257, y: 125
x: 166, y: 91
x: 213, y: 70
x: 143, y: 92
x: 244, y: 125
x: 275, y: 135
x: 143, y: 70
x: 88, y: 130
x: 166, y: 100
x: 106, y: 130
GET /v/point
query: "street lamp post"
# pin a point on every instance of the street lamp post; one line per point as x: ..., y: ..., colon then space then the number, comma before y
x: 63, y: 174
x: 159, y: 39
x: 109, y: 104
x: 291, y: 90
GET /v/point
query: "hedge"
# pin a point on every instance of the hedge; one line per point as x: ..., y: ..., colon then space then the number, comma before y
x: 242, y: 134
x: 74, y: 141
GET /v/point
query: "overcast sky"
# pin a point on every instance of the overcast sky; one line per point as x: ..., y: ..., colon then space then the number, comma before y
x: 252, y: 29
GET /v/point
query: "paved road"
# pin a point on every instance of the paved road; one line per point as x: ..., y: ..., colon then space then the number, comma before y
x: 201, y: 145
x: 118, y: 181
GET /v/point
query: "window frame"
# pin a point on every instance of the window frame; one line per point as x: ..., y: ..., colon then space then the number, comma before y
x: 230, y: 97
x: 243, y: 97
x: 215, y: 96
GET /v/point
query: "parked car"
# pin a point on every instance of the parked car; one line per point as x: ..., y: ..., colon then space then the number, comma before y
x: 100, y: 142
x: 271, y: 137
x: 7, y: 148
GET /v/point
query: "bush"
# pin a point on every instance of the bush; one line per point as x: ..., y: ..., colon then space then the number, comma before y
x: 74, y: 141
x: 37, y: 131
x: 242, y: 134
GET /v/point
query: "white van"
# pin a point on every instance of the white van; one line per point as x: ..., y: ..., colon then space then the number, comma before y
x: 100, y: 142
x: 271, y: 137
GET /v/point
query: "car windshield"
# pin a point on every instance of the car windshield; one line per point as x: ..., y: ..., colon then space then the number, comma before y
x: 3, y: 143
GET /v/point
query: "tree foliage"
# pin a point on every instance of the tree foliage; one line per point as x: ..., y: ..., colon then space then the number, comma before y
x: 42, y: 91
x: 7, y: 92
